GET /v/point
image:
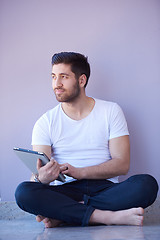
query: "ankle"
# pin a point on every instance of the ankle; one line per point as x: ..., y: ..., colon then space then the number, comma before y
x: 100, y: 216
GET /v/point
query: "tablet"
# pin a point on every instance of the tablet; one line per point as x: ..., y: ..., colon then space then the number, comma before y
x: 29, y: 158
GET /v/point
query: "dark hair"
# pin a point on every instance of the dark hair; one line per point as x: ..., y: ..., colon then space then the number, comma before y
x: 79, y: 63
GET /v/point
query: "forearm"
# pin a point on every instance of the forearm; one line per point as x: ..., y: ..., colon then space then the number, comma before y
x: 112, y: 168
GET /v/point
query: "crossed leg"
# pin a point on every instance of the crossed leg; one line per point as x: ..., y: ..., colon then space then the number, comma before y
x: 131, y: 189
x: 133, y: 216
x: 115, y: 206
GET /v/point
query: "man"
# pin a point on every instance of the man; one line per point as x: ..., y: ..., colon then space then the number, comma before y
x: 87, y: 141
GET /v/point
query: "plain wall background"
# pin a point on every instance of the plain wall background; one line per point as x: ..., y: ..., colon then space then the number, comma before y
x: 121, y: 39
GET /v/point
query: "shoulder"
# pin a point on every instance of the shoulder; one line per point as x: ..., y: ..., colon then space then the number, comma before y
x: 107, y: 105
x: 110, y: 110
x: 48, y: 116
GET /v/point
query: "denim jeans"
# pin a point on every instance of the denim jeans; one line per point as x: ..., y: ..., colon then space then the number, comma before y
x: 62, y: 202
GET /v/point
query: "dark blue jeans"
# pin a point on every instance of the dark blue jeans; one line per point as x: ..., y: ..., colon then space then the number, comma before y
x: 62, y: 202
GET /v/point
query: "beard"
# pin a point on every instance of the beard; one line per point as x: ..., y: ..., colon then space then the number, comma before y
x: 68, y: 95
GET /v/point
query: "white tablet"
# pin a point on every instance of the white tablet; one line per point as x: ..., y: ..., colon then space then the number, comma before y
x: 29, y: 158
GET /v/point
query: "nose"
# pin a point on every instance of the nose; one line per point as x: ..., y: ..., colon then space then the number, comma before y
x: 58, y: 82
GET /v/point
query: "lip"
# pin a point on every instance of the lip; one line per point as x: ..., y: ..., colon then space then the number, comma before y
x: 59, y: 91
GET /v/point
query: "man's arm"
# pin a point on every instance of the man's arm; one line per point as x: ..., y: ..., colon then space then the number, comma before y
x: 50, y: 171
x: 118, y: 165
x: 43, y: 148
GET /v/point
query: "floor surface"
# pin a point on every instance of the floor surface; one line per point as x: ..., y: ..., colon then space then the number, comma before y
x: 29, y: 229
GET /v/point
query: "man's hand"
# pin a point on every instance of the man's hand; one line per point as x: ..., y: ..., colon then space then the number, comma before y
x: 49, y: 172
x: 71, y: 171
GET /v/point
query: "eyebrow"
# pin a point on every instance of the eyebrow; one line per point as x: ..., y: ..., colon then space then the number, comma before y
x: 61, y: 74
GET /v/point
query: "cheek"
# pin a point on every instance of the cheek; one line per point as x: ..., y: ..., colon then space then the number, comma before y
x: 53, y: 84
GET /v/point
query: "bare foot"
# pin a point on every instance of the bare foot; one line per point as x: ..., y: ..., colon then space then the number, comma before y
x: 133, y: 216
x: 48, y: 222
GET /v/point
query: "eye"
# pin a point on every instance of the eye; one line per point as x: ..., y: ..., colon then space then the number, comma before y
x: 64, y: 77
x: 53, y: 77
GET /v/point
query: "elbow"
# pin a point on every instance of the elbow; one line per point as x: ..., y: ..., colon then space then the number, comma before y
x: 125, y: 168
x: 125, y: 171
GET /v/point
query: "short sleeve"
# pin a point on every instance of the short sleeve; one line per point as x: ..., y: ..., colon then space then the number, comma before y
x: 40, y: 133
x: 117, y: 125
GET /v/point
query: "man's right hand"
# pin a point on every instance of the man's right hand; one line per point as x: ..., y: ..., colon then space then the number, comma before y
x: 49, y: 172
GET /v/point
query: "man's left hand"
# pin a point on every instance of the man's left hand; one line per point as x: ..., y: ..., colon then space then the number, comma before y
x: 71, y: 171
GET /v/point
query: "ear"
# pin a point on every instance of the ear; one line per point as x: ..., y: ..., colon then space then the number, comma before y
x: 82, y: 80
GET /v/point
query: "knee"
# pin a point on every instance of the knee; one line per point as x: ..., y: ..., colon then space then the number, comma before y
x: 148, y: 187
x: 22, y: 193
x: 149, y: 182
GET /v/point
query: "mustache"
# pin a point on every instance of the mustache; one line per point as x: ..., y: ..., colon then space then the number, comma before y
x: 59, y: 89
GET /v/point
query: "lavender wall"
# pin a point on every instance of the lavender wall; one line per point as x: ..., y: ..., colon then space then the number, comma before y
x: 122, y: 40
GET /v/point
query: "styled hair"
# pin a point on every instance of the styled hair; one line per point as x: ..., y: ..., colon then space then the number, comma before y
x: 78, y: 62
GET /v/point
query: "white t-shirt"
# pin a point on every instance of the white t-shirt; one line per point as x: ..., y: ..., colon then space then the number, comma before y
x: 84, y: 142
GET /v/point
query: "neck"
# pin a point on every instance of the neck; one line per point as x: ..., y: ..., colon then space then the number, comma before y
x: 79, y: 108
